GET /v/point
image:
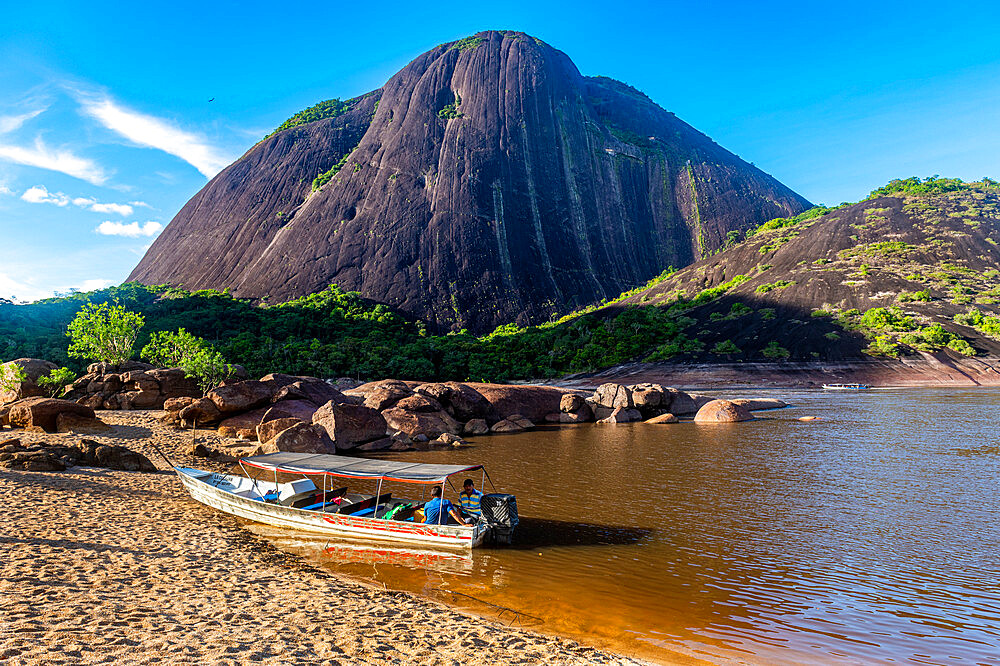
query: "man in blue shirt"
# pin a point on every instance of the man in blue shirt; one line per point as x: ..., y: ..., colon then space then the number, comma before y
x: 433, y: 509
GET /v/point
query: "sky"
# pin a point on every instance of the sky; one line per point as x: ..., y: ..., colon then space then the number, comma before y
x: 113, y: 115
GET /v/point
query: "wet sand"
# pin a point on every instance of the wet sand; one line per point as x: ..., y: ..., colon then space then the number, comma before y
x: 99, y: 566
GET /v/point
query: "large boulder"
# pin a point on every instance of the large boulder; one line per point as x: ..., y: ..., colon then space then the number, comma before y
x: 466, y: 403
x: 297, y: 409
x: 663, y: 418
x: 505, y: 425
x: 44, y: 412
x: 419, y: 403
x: 647, y: 396
x: 534, y: 402
x: 104, y: 368
x: 301, y: 438
x: 313, y: 390
x: 33, y: 368
x: 475, y: 427
x: 678, y: 402
x: 113, y: 456
x: 247, y: 422
x: 571, y: 402
x: 430, y: 424
x: 387, y: 395
x: 757, y: 404
x: 349, y: 425
x: 613, y: 396
x: 82, y: 425
x: 241, y: 396
x: 582, y: 415
x: 141, y: 400
x: 174, y: 383
x: 722, y: 411
x: 177, y: 404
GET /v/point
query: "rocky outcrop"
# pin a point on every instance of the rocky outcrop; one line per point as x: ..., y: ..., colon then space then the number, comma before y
x: 622, y: 415
x: 349, y: 425
x: 486, y: 182
x: 131, y: 385
x: 430, y: 424
x: 301, y: 438
x: 722, y: 411
x: 663, y: 418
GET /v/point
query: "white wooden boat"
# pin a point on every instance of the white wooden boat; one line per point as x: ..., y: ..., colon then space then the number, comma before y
x: 846, y: 387
x: 302, y: 505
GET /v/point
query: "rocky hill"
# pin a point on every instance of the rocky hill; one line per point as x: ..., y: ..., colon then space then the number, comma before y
x: 913, y: 269
x: 486, y: 182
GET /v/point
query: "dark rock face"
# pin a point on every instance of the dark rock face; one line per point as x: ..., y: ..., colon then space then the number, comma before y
x: 482, y: 184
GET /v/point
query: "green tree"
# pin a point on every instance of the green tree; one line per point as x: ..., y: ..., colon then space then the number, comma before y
x: 11, y: 376
x: 104, y: 332
x: 197, y: 357
x: 209, y: 367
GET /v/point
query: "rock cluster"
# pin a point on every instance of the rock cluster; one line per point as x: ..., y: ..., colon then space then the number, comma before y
x: 131, y: 385
x: 51, y: 415
x: 617, y: 403
x: 38, y: 457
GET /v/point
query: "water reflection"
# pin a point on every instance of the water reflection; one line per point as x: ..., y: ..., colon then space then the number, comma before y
x: 868, y: 536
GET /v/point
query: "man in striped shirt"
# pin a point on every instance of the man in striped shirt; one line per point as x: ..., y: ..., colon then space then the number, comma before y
x: 469, y: 498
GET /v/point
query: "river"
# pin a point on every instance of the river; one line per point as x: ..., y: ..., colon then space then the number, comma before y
x: 868, y: 535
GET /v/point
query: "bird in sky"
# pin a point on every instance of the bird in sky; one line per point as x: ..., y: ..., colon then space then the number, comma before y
x: 212, y: 100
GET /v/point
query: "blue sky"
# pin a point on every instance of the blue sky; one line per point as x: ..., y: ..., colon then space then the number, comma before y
x: 106, y: 128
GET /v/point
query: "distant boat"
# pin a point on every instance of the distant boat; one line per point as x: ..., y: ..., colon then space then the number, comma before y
x: 846, y: 387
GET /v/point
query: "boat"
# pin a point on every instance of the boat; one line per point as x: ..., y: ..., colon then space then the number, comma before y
x: 333, y: 511
x: 846, y: 387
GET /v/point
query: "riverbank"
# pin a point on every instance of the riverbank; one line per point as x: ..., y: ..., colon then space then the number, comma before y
x: 102, y: 566
x: 925, y: 370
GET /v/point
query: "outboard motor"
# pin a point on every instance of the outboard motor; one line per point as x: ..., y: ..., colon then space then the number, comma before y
x: 499, y: 510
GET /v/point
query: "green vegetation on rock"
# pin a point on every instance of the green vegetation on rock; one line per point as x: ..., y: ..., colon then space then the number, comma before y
x: 330, y: 108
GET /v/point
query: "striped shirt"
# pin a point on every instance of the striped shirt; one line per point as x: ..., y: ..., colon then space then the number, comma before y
x: 470, y: 503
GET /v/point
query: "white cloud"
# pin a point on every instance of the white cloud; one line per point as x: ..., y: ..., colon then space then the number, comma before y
x: 154, y: 132
x: 11, y: 123
x: 91, y: 285
x: 5, y: 190
x: 131, y: 230
x: 38, y: 194
x: 21, y: 291
x: 139, y: 204
x: 63, y: 161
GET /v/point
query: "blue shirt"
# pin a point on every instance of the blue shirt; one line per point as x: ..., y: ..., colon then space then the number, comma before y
x: 433, y: 509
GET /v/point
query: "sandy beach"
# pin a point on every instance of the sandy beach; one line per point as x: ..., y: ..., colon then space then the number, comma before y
x: 100, y: 566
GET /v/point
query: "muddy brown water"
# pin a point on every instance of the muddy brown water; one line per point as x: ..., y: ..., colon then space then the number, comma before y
x: 871, y: 535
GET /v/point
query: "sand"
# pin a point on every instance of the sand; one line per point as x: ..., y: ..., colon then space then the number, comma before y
x: 99, y: 566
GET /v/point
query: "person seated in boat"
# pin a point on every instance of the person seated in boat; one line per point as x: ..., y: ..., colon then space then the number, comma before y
x: 434, y: 507
x: 469, y: 498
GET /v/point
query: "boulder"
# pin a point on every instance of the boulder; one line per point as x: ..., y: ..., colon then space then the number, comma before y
x: 174, y: 383
x: 177, y: 404
x: 448, y: 439
x: 599, y: 411
x: 466, y: 403
x: 33, y: 368
x: 4, y: 412
x: 521, y: 421
x: 385, y: 397
x: 758, y: 404
x: 622, y: 415
x: 43, y: 412
x: 268, y: 430
x: 678, y: 402
x: 141, y: 400
x: 506, y: 426
x: 419, y: 403
x: 554, y: 417
x: 245, y: 421
x: 140, y: 381
x: 302, y: 438
x: 202, y: 410
x: 92, y: 401
x: 350, y: 425
x: 111, y: 368
x: 570, y: 402
x: 663, y: 418
x: 309, y: 389
x: 277, y: 380
x: 66, y: 422
x: 113, y: 457
x: 476, y: 427
x: 377, y: 445
x: 242, y: 396
x: 722, y: 411
x: 111, y: 402
x: 613, y: 396
x: 298, y: 409
x: 534, y: 402
x: 646, y: 396
x: 33, y: 461
x: 436, y: 391
x: 249, y: 434
x: 429, y: 424
x: 583, y: 415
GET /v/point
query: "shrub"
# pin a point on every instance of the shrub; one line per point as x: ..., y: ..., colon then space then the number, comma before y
x: 886, y: 319
x: 196, y: 356
x: 986, y: 324
x: 832, y: 335
x: 780, y: 284
x: 774, y: 350
x: 54, y: 383
x: 883, y: 345
x: 11, y: 377
x: 725, y: 347
x: 327, y: 109
x: 104, y: 332
x: 782, y: 222
x: 961, y: 346
x: 766, y: 313
x: 908, y: 296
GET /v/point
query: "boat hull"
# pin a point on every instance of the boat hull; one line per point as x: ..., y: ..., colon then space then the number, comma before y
x: 199, y: 486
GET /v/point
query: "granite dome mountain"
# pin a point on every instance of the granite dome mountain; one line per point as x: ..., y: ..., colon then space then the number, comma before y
x: 487, y: 182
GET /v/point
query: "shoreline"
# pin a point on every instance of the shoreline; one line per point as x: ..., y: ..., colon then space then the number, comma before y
x: 925, y: 371
x: 103, y: 566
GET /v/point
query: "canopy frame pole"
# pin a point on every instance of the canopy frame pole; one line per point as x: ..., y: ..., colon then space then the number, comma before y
x: 441, y: 504
x: 378, y: 492
x: 275, y: 485
x: 251, y: 479
x: 323, y: 508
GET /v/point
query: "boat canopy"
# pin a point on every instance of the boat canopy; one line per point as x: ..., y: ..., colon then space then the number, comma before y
x: 356, y: 468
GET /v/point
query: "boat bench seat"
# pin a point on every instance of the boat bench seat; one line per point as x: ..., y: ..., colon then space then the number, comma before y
x: 355, y: 508
x: 315, y: 502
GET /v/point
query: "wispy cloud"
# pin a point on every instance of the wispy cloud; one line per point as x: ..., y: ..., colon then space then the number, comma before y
x: 63, y: 161
x: 153, y: 132
x: 38, y: 194
x: 96, y: 283
x: 5, y: 190
x: 11, y: 123
x: 131, y: 230
x: 20, y: 290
